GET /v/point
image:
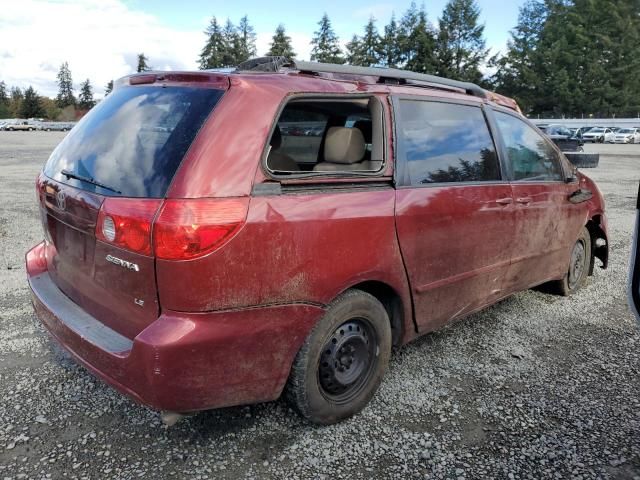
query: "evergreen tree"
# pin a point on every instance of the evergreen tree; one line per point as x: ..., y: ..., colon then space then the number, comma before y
x: 143, y: 66
x: 371, y: 44
x: 247, y: 38
x: 326, y: 46
x: 85, y: 99
x: 4, y: 96
x: 4, y: 100
x: 416, y: 41
x: 353, y: 54
x: 65, y: 96
x: 281, y: 44
x: 232, y: 49
x: 15, y: 103
x: 516, y: 72
x: 461, y: 48
x: 390, y: 46
x: 214, y: 50
x: 31, y: 106
x: 109, y: 88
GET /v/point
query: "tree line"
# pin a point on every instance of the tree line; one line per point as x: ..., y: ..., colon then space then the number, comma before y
x: 456, y: 48
x: 16, y: 103
x: 564, y: 57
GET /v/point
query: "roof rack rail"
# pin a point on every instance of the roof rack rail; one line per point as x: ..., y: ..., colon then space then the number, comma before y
x: 277, y: 63
x: 264, y: 64
x: 390, y: 73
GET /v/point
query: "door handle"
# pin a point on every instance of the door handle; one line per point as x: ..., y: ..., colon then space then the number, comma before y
x: 505, y: 201
x: 524, y: 200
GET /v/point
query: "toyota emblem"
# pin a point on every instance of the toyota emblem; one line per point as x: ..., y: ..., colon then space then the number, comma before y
x: 61, y: 200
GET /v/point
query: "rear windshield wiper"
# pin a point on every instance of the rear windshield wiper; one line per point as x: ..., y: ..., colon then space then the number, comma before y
x: 90, y: 180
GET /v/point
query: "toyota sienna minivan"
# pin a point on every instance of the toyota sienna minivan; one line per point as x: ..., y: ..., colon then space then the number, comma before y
x: 215, y: 239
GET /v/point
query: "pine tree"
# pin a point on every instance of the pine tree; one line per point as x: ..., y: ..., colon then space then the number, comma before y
x: 354, y: 51
x: 4, y: 100
x: 416, y: 41
x: 247, y: 37
x: 371, y: 44
x: 516, y: 72
x: 31, y: 106
x: 461, y: 45
x: 65, y: 96
x: 143, y: 66
x: 109, y: 88
x: 281, y: 44
x: 231, y: 52
x: 390, y: 47
x: 85, y: 99
x: 326, y: 46
x: 213, y: 51
x: 15, y: 102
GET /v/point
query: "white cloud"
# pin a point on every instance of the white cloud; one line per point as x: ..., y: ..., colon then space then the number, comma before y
x: 99, y: 38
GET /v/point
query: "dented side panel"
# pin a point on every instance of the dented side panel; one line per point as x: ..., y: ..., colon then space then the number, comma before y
x: 299, y: 247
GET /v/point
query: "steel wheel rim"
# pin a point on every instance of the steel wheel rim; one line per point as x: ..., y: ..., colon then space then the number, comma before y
x: 347, y: 361
x: 578, y: 263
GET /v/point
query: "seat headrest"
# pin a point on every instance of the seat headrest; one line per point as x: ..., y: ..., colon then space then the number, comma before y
x: 344, y: 145
x: 276, y: 138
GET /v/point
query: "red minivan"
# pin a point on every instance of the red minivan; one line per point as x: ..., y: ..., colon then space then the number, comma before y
x: 215, y: 239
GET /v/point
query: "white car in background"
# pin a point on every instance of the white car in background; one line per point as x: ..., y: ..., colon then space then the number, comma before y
x: 627, y: 135
x: 599, y: 135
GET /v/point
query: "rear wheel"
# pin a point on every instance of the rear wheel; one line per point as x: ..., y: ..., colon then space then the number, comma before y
x: 343, y: 360
x: 579, y: 266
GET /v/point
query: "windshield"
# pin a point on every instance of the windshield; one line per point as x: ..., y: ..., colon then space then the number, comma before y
x: 626, y: 130
x: 596, y: 130
x: 132, y: 143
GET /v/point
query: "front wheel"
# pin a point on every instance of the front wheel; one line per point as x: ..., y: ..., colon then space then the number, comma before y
x: 579, y: 266
x: 342, y: 361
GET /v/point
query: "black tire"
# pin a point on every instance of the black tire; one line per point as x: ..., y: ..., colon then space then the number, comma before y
x: 326, y: 388
x: 579, y: 267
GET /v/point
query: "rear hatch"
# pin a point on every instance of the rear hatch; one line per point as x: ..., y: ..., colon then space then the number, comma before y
x: 101, y: 189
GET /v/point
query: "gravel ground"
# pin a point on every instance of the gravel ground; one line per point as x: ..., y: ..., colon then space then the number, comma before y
x: 537, y: 386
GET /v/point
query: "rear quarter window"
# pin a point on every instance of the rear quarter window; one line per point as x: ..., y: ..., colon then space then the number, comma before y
x: 134, y: 140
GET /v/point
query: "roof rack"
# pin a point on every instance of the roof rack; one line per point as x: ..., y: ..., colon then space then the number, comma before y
x: 276, y: 64
x: 385, y: 74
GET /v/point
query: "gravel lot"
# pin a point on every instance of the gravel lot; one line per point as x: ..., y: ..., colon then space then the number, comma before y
x: 535, y: 387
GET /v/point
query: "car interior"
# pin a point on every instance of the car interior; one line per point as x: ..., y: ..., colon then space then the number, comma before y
x: 327, y: 135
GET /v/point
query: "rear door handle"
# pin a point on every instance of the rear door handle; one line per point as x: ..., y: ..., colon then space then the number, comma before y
x: 524, y: 200
x: 505, y: 201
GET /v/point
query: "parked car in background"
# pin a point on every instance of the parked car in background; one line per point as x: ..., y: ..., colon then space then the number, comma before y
x: 582, y: 130
x: 565, y: 138
x: 627, y: 135
x: 55, y: 126
x: 599, y: 135
x: 213, y: 262
x: 20, y: 125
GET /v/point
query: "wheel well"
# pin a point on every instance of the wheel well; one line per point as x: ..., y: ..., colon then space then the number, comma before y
x: 599, y: 244
x: 392, y: 304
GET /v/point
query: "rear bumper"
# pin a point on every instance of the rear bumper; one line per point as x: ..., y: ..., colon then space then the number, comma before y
x: 182, y: 361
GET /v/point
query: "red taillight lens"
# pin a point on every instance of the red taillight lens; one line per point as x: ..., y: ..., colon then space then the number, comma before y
x: 126, y: 223
x: 187, y: 229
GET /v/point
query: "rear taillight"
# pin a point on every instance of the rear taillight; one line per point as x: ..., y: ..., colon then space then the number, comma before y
x: 188, y: 228
x: 126, y: 223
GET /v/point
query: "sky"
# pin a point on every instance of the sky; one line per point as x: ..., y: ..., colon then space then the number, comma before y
x: 100, y: 39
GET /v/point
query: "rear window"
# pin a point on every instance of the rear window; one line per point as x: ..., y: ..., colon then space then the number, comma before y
x: 133, y: 141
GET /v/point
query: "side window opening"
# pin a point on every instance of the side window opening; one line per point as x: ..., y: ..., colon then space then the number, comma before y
x: 333, y: 136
